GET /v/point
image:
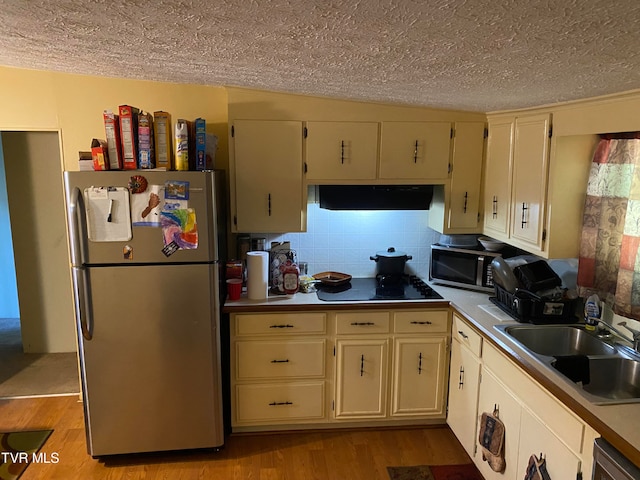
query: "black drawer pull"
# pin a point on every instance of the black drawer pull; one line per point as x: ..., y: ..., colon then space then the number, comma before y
x: 286, y: 360
x: 281, y: 326
x: 426, y: 322
x: 420, y: 364
x: 461, y: 380
x: 275, y: 404
x: 362, y: 365
x: 359, y: 324
x: 463, y: 335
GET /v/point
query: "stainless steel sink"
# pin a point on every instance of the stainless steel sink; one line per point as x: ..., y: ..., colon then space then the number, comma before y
x: 615, y: 378
x: 556, y: 340
x: 604, y: 372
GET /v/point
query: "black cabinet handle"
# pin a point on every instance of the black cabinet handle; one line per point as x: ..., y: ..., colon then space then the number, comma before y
x: 425, y: 322
x: 281, y: 326
x: 274, y: 404
x: 342, y: 152
x: 462, y: 334
x: 360, y: 324
x: 524, y: 213
x: 495, y: 206
x: 415, y: 152
x: 286, y: 360
x: 269, y: 204
x: 362, y: 365
x: 461, y: 379
x: 466, y: 197
x: 420, y: 364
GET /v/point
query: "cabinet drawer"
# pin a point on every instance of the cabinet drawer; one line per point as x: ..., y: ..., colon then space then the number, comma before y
x: 257, y: 359
x: 436, y: 321
x: 362, y: 322
x: 466, y: 335
x: 285, y: 401
x: 280, y: 323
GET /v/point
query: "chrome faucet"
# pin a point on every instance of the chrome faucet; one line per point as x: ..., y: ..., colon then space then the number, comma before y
x: 636, y: 336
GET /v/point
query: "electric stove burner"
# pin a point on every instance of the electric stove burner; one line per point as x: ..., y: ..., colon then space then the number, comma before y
x: 405, y: 287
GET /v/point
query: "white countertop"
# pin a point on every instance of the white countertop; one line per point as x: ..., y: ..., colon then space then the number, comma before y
x: 619, y: 424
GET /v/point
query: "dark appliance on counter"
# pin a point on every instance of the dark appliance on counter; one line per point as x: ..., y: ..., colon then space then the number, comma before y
x: 382, y: 287
x: 462, y: 267
x: 538, y: 297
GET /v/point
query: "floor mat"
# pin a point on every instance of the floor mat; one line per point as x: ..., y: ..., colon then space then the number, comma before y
x: 435, y: 472
x: 18, y: 450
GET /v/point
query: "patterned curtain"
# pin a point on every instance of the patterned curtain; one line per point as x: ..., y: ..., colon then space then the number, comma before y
x: 609, y: 263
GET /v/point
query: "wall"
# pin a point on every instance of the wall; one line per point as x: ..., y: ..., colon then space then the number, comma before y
x: 73, y: 104
x: 8, y: 288
x: 343, y: 241
x: 70, y: 107
x: 36, y: 206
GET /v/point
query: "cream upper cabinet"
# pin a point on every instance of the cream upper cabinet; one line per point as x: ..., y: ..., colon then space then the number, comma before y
x: 266, y: 171
x: 530, y: 167
x: 516, y: 176
x: 497, y: 178
x: 340, y: 151
x: 415, y: 151
x: 456, y: 205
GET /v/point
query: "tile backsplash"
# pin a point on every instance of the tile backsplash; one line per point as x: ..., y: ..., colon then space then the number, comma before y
x: 343, y: 241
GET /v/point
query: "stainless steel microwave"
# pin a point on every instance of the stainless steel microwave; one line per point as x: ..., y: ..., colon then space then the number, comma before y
x: 460, y: 267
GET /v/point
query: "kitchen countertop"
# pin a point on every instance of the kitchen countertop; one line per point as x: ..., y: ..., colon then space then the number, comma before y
x: 618, y: 424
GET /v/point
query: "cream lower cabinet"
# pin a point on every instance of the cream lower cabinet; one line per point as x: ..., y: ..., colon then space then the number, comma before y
x: 416, y: 385
x: 278, y: 369
x: 296, y: 370
x: 535, y: 423
x: 464, y: 379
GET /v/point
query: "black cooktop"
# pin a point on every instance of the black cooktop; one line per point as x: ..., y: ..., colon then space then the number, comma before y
x: 367, y: 289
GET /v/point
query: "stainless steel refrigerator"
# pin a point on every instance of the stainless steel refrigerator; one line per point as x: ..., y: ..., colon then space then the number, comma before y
x: 145, y: 270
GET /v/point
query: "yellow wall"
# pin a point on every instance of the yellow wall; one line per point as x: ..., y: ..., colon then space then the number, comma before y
x: 73, y: 104
x: 260, y: 105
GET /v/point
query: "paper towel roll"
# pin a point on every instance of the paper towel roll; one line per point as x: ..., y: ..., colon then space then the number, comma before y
x: 257, y: 275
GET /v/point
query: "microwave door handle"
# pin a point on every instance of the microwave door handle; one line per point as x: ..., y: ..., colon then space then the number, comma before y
x: 480, y: 271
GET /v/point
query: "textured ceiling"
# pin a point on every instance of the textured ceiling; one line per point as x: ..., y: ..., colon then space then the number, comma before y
x: 480, y: 55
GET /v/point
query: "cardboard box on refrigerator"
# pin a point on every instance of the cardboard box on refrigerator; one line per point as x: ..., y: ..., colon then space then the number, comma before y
x: 201, y: 141
x: 99, y: 154
x: 146, y: 153
x: 114, y: 143
x: 129, y: 135
x: 163, y: 144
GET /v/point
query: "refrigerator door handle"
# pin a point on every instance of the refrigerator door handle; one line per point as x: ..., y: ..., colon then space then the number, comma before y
x: 83, y: 305
x: 77, y: 229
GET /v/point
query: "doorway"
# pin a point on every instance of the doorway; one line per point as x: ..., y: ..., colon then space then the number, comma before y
x: 37, y: 339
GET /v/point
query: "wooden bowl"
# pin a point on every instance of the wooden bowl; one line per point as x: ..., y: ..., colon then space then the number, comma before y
x: 332, y: 278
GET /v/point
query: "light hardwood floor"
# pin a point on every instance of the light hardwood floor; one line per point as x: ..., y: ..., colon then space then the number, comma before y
x: 338, y: 454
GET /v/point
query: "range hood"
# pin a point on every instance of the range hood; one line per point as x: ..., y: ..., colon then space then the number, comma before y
x: 375, y: 197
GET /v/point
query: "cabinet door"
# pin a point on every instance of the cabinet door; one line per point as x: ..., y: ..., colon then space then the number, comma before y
x: 530, y: 167
x: 468, y: 147
x: 536, y: 439
x: 341, y: 150
x: 361, y: 378
x: 267, y: 168
x: 463, y: 395
x: 493, y: 393
x: 419, y: 376
x: 415, y: 150
x: 497, y: 178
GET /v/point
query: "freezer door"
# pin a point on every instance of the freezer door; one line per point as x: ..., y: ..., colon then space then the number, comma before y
x: 146, y: 243
x: 151, y: 370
